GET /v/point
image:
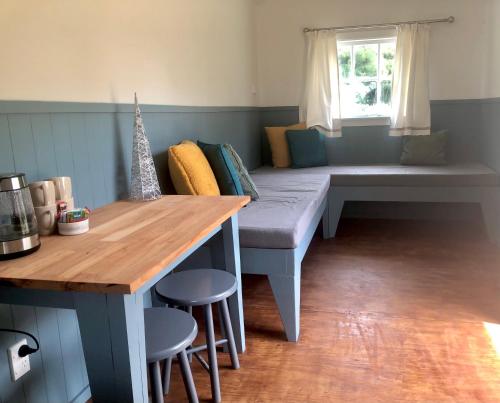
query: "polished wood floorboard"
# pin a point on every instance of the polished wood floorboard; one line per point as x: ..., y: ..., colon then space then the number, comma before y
x: 392, y: 311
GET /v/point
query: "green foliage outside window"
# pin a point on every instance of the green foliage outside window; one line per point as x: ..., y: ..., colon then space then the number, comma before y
x: 386, y: 94
x: 388, y: 57
x: 361, y: 78
x: 370, y: 96
x: 366, y: 62
x: 345, y: 62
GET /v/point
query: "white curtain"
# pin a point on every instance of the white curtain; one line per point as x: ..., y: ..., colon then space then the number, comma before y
x: 411, y: 112
x: 320, y: 104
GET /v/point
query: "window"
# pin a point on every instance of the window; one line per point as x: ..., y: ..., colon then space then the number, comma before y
x: 365, y: 74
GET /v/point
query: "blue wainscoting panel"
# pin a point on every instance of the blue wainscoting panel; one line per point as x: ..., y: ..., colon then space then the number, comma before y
x: 62, y: 145
x: 372, y: 144
x: 6, y: 155
x: 45, y: 151
x: 58, y: 371
x: 51, y: 353
x: 490, y: 144
x: 9, y: 391
x: 71, y: 351
x: 99, y: 151
x: 23, y: 147
x: 34, y: 382
x: 81, y: 160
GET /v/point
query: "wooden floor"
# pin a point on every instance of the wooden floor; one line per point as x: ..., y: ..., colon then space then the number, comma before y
x: 392, y: 311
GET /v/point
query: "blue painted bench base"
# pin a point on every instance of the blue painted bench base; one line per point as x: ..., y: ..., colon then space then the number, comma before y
x: 283, y: 269
x: 487, y: 197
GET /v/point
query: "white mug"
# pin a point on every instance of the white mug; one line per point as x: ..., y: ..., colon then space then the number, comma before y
x: 42, y: 193
x: 46, y: 218
x: 71, y: 203
x: 63, y: 187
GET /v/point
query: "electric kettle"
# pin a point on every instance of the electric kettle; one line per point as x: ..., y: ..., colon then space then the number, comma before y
x: 18, y: 226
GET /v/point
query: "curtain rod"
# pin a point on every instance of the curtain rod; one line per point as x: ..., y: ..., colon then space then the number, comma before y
x: 450, y: 19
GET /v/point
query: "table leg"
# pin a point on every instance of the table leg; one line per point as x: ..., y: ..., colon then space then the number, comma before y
x: 112, y: 330
x: 231, y: 245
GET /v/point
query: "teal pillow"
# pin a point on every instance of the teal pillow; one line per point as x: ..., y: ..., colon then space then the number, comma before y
x: 307, y: 148
x: 425, y: 149
x: 223, y: 167
x: 246, y: 181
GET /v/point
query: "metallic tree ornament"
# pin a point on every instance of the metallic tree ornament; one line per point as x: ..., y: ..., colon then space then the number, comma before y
x: 144, y: 185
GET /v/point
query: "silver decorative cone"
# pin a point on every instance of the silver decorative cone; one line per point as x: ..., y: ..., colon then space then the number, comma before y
x: 144, y: 185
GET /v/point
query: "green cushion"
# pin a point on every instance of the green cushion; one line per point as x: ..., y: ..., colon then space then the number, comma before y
x: 223, y: 168
x: 307, y: 148
x: 246, y: 181
x: 425, y: 149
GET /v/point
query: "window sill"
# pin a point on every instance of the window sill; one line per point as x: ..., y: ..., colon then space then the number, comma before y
x: 367, y: 121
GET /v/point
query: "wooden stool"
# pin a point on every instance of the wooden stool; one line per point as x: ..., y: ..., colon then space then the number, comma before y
x: 168, y: 333
x: 204, y: 287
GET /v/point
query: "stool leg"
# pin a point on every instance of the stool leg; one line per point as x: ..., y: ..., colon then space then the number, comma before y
x: 155, y: 376
x: 212, y: 353
x: 189, y: 310
x: 166, y: 376
x: 222, y: 328
x: 187, y: 377
x: 229, y: 334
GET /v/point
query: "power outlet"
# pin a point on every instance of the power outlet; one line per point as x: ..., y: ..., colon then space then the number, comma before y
x: 18, y: 365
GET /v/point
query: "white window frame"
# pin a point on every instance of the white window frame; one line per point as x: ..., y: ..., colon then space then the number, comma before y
x: 367, y: 38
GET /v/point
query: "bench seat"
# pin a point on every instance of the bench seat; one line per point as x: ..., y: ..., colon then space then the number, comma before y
x: 455, y: 175
x: 467, y: 183
x: 287, y: 204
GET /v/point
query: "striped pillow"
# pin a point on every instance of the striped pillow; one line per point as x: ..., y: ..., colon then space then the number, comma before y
x: 246, y: 181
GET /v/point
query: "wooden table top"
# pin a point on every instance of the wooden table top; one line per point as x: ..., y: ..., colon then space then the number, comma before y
x: 128, y: 244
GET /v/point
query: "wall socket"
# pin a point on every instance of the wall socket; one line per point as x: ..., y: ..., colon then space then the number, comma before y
x: 18, y: 365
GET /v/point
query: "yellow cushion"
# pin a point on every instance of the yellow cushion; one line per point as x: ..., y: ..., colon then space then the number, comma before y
x: 190, y: 170
x: 279, y: 145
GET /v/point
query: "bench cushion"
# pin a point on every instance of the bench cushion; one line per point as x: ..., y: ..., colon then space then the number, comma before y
x: 467, y: 175
x: 288, y: 201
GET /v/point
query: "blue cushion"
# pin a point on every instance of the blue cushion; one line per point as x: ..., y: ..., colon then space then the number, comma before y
x: 223, y: 168
x: 307, y: 148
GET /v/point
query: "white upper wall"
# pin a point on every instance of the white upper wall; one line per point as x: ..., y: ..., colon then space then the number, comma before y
x: 459, y: 57
x: 215, y: 52
x: 181, y: 52
x: 493, y: 63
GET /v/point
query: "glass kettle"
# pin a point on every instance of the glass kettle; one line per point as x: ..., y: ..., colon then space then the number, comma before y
x: 18, y: 226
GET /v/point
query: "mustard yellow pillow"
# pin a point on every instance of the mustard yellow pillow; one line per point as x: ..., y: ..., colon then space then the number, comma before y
x: 190, y: 171
x: 279, y: 145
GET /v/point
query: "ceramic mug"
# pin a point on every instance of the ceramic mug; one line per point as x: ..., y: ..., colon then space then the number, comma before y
x: 71, y: 203
x: 46, y: 217
x: 42, y: 193
x: 63, y: 187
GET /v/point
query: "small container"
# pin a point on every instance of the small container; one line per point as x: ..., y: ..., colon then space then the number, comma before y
x: 73, y: 228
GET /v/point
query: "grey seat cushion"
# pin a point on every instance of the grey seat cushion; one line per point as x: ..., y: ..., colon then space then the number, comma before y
x: 289, y: 198
x: 288, y: 201
x: 470, y: 174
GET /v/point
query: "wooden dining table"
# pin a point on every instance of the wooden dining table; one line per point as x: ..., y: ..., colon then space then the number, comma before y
x: 107, y: 274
